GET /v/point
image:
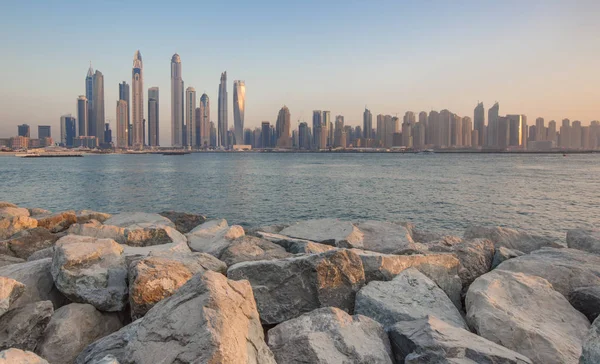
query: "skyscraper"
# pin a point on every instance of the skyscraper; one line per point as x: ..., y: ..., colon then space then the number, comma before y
x: 367, y: 124
x: 540, y: 130
x: 82, y: 116
x: 492, y: 129
x: 467, y: 129
x: 176, y: 102
x: 137, y: 101
x: 98, y: 122
x: 327, y: 129
x: 445, y: 126
x: 68, y: 130
x: 565, y: 134
x: 204, y: 121
x: 282, y: 128
x: 265, y: 136
x: 576, y: 135
x: 433, y: 128
x: 303, y: 136
x: 89, y: 95
x: 552, y: 132
x: 239, y: 107
x: 456, y: 133
x: 122, y: 125
x: 339, y: 134
x: 153, y: 117
x: 316, y: 127
x: 213, y: 134
x: 24, y: 131
x: 44, y: 131
x: 124, y: 95
x: 190, y: 116
x: 107, y: 133
x: 479, y: 122
x: 222, y: 123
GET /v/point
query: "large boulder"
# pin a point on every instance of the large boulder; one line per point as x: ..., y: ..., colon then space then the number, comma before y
x: 293, y: 245
x: 109, y: 359
x: 9, y: 260
x: 326, y: 231
x: 89, y: 270
x: 133, y: 220
x: 431, y: 340
x: 8, y: 212
x: 184, y: 222
x: 587, y: 301
x: 148, y: 234
x: 409, y: 296
x: 136, y: 252
x: 22, y: 327
x: 250, y: 248
x: 158, y: 276
x: 386, y: 237
x: 57, y: 222
x: 12, y: 225
x: 18, y: 356
x: 213, y: 237
x: 98, y: 230
x: 501, y: 254
x: 286, y: 288
x: 42, y: 254
x: 210, y: 319
x: 511, y: 238
x: 84, y: 216
x: 329, y: 335
x: 37, y: 278
x: 26, y: 242
x: 10, y: 290
x: 34, y: 211
x: 7, y: 204
x: 586, y: 240
x: 566, y: 269
x: 71, y: 329
x: 525, y: 314
x: 590, y: 353
x: 443, y: 269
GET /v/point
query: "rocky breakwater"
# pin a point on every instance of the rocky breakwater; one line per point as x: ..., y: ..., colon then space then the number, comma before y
x: 88, y: 287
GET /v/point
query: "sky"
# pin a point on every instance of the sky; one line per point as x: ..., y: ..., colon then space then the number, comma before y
x: 538, y: 58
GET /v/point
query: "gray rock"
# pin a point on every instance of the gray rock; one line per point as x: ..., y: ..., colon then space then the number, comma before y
x: 71, y: 329
x: 18, y: 356
x: 327, y: 231
x: 57, y: 222
x: 586, y: 240
x: 293, y: 245
x: 8, y: 212
x: 22, y: 327
x: 409, y: 296
x: 209, y: 320
x: 159, y: 275
x: 37, y: 278
x: 250, y: 248
x: 566, y: 269
x: 184, y: 222
x: 148, y: 234
x: 36, y: 212
x: 431, y: 340
x: 26, y: 242
x: 386, y: 237
x: 213, y: 237
x: 441, y: 268
x: 133, y: 252
x: 525, y: 314
x: 501, y: 254
x: 7, y: 204
x: 587, y: 301
x: 286, y: 288
x: 133, y: 220
x: 109, y: 359
x: 271, y: 229
x: 89, y: 270
x: 10, y: 291
x: 329, y: 335
x: 42, y: 254
x: 590, y: 353
x: 511, y: 238
x: 9, y: 260
x: 98, y: 230
x: 84, y: 216
x: 12, y: 225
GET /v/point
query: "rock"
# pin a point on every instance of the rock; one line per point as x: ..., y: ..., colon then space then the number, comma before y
x: 11, y: 226
x: 10, y: 290
x: 327, y: 231
x: 8, y: 212
x: 587, y: 301
x: 7, y: 204
x: 26, y: 242
x: 429, y: 238
x: 512, y: 239
x: 590, y: 353
x: 386, y: 237
x: 84, y: 216
x: 97, y: 230
x: 18, y: 356
x: 8, y: 260
x: 501, y: 254
x: 22, y: 327
x: 250, y: 248
x: 443, y: 269
x: 133, y: 220
x: 525, y: 314
x: 270, y: 229
x: 586, y: 240
x: 184, y: 222
x: 109, y: 359
x: 431, y: 340
x: 42, y: 254
x: 148, y: 234
x: 89, y: 270
x: 57, y: 222
x: 213, y: 237
x: 286, y: 288
x: 210, y: 319
x: 155, y: 278
x: 329, y: 335
x: 409, y: 296
x: 37, y: 278
x: 71, y: 329
x: 135, y: 252
x: 294, y: 246
x: 566, y: 269
x: 36, y: 212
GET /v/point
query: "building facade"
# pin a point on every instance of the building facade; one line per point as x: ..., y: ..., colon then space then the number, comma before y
x: 137, y: 101
x: 153, y: 117
x: 222, y: 121
x: 239, y: 108
x: 176, y: 102
x: 190, y: 116
x: 204, y: 121
x: 122, y: 125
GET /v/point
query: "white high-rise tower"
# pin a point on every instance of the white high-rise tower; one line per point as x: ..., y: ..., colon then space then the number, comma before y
x: 137, y: 101
x: 176, y: 102
x: 239, y: 108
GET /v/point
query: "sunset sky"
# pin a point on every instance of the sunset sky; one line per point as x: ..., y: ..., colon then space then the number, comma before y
x: 539, y: 58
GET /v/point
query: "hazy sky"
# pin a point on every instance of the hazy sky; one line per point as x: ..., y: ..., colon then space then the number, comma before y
x: 539, y: 58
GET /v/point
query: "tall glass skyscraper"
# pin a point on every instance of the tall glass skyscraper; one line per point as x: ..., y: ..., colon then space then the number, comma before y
x: 89, y: 95
x: 190, y: 116
x: 153, y: 117
x: 479, y: 123
x: 204, y: 121
x: 124, y: 95
x: 137, y: 101
x: 122, y: 125
x: 98, y: 122
x: 222, y: 117
x: 239, y: 107
x: 176, y: 102
x: 82, y: 116
x: 282, y: 128
x: 367, y: 124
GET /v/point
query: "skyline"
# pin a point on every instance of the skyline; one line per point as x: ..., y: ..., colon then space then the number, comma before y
x: 542, y: 63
